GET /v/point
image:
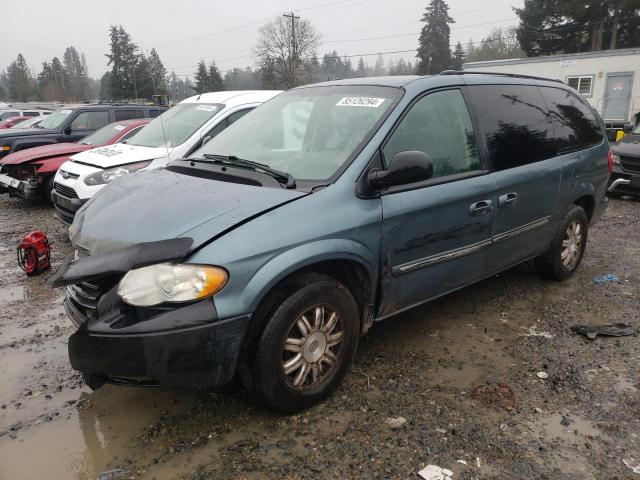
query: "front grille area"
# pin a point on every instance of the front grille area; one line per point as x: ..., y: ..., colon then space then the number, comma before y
x: 64, y: 190
x: 65, y: 216
x: 66, y: 174
x: 632, y: 164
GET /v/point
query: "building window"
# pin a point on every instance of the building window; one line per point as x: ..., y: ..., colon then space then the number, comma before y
x: 583, y: 84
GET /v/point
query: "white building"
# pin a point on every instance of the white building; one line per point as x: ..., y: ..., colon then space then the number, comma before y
x: 609, y: 80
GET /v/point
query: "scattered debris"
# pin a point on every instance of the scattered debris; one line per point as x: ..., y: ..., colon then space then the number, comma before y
x: 610, y: 330
x: 606, y: 278
x: 497, y: 395
x: 113, y: 474
x: 478, y: 462
x: 537, y: 410
x: 565, y: 421
x: 441, y: 430
x: 395, y: 422
x: 532, y: 332
x: 433, y: 472
x: 463, y: 462
x: 632, y: 464
x: 542, y: 375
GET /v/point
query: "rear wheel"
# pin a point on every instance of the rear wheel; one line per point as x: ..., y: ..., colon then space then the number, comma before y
x: 306, y: 346
x: 567, y: 248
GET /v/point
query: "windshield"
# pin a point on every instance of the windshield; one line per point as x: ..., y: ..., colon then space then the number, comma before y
x: 56, y: 119
x: 27, y: 123
x: 175, y: 126
x: 104, y: 135
x: 310, y: 132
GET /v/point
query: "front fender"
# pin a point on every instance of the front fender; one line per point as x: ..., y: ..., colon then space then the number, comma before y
x: 284, y: 264
x: 29, y: 143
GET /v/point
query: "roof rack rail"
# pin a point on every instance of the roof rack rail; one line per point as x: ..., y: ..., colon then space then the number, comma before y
x: 512, y: 75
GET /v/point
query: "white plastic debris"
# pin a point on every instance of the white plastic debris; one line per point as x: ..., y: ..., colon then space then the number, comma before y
x: 542, y: 375
x: 533, y: 332
x: 395, y: 422
x: 433, y: 472
x: 463, y: 462
x: 633, y: 465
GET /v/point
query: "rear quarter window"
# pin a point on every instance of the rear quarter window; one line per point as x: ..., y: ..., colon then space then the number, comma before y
x: 574, y: 124
x: 515, y: 124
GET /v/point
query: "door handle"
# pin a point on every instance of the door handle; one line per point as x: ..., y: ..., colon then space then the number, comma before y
x: 480, y: 208
x: 507, y: 200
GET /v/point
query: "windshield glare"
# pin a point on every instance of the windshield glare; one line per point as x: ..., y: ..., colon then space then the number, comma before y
x: 637, y: 129
x: 54, y: 120
x: 103, y: 135
x: 175, y: 126
x: 309, y: 133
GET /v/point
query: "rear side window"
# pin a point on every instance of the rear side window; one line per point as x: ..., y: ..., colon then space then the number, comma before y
x: 574, y: 124
x: 90, y: 120
x: 515, y: 123
x: 440, y: 126
x: 128, y: 114
x: 30, y: 114
x: 155, y: 113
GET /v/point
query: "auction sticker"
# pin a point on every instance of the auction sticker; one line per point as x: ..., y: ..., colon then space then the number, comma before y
x: 119, y: 127
x: 206, y: 108
x: 370, y: 102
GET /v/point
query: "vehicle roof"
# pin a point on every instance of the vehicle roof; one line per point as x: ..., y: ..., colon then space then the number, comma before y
x: 452, y: 78
x: 73, y: 106
x: 233, y: 97
x: 133, y: 122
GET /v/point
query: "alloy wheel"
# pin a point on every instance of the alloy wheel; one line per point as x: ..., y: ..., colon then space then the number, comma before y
x: 571, y: 245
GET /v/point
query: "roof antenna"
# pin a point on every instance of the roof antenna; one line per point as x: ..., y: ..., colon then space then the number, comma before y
x: 164, y: 135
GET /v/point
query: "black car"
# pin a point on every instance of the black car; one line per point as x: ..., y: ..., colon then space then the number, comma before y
x: 625, y: 178
x: 71, y: 123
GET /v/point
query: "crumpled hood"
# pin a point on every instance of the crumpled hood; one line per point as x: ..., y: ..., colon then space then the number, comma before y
x: 44, y: 152
x: 628, y: 145
x: 119, y: 154
x: 161, y: 204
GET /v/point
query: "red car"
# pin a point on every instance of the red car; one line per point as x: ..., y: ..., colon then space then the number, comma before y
x: 29, y: 173
x: 10, y: 122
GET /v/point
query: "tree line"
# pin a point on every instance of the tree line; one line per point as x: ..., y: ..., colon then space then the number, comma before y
x: 545, y: 27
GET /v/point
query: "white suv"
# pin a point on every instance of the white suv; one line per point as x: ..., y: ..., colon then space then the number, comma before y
x: 175, y: 134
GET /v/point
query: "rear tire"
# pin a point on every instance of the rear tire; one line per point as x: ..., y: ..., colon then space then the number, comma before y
x: 47, y: 188
x: 567, y: 247
x: 306, y: 346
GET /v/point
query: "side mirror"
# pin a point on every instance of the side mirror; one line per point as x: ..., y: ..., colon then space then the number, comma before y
x: 206, y: 139
x: 406, y: 167
x: 67, y: 131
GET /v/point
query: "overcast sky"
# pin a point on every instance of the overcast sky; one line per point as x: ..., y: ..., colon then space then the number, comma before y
x: 184, y: 31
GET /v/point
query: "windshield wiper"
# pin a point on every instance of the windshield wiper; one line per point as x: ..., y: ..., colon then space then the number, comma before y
x: 282, y: 177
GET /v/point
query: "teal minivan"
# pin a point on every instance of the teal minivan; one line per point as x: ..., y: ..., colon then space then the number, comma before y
x: 270, y: 250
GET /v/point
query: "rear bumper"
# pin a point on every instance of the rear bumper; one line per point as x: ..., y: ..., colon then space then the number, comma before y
x: 202, y: 356
x: 631, y: 188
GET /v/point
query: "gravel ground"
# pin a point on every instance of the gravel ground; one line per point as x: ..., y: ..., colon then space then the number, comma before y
x: 461, y: 372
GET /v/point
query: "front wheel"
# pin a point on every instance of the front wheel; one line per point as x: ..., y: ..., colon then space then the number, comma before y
x: 567, y: 247
x: 306, y: 346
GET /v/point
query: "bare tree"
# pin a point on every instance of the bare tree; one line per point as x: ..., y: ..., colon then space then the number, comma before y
x: 284, y: 44
x: 498, y: 45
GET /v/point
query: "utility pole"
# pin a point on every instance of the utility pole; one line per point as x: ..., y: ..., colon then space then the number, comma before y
x: 293, y: 18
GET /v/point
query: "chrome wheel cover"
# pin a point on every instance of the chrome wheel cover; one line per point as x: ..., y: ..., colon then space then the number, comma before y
x: 571, y: 245
x: 312, y: 347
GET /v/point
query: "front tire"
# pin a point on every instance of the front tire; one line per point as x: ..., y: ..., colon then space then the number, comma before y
x: 306, y: 346
x: 567, y: 247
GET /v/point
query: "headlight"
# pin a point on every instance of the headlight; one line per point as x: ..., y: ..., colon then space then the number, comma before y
x: 171, y: 282
x: 5, y: 148
x: 100, y: 178
x: 616, y: 159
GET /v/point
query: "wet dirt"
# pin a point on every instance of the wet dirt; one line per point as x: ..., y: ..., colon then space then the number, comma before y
x: 579, y: 422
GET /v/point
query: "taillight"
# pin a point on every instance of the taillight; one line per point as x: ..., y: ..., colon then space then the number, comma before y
x: 610, y: 162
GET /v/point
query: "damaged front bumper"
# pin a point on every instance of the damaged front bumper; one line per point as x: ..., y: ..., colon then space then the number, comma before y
x: 182, y: 344
x: 27, y: 189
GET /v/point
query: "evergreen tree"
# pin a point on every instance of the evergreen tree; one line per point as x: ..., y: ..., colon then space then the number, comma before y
x: 379, y: 69
x: 3, y: 94
x: 433, y: 46
x: 105, y: 87
x: 268, y: 75
x: 59, y: 80
x: 361, y: 71
x: 75, y: 77
x: 158, y: 72
x: 568, y: 26
x: 214, y: 79
x: 458, y: 57
x: 122, y: 59
x: 144, y: 81
x: 22, y: 85
x: 202, y: 78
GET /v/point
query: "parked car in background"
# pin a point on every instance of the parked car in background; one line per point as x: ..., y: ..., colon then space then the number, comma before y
x: 70, y: 124
x: 12, y: 121
x: 272, y: 248
x: 176, y: 134
x: 5, y: 114
x: 625, y: 179
x: 29, y: 173
x: 29, y: 123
